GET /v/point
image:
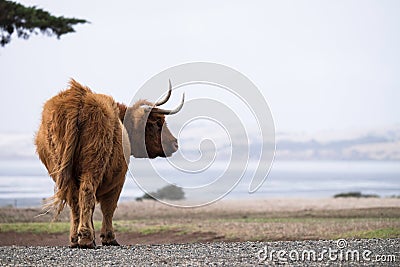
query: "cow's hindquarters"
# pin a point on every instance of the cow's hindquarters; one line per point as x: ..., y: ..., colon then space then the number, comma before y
x: 95, y: 150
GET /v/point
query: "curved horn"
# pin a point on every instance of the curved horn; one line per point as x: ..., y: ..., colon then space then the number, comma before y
x: 170, y: 112
x: 163, y: 101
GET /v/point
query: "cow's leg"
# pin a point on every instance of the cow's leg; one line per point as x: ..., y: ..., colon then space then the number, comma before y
x: 108, y: 204
x: 73, y: 202
x: 96, y: 149
x: 87, y: 201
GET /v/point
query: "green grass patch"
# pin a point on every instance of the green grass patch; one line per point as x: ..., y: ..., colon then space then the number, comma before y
x: 304, y: 220
x: 63, y: 227
x: 56, y: 227
x: 137, y: 226
x: 124, y: 226
x: 273, y: 220
x: 391, y: 232
x: 39, y: 227
x: 155, y: 229
x: 277, y: 220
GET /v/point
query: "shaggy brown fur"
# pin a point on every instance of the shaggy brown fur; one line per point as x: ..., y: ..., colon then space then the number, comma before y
x: 85, y: 148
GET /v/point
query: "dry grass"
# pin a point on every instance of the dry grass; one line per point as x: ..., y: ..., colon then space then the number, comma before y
x: 264, y: 220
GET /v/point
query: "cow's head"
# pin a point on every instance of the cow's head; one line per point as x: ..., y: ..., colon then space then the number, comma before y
x: 148, y: 132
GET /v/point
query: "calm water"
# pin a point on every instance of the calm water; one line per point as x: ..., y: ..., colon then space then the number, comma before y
x: 25, y: 183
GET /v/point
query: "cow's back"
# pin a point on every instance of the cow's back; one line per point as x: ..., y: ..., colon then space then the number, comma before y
x: 58, y: 128
x: 98, y: 128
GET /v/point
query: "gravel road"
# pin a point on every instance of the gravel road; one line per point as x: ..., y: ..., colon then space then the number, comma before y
x: 371, y: 252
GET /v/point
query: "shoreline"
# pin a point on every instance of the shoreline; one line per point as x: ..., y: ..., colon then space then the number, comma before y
x: 271, y: 203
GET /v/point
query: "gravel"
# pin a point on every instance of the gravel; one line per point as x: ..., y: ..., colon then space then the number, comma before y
x: 365, y: 252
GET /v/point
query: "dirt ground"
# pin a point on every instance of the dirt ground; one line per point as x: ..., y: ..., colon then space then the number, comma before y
x: 61, y: 239
x: 228, y: 220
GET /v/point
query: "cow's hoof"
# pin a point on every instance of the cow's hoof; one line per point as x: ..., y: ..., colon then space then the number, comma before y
x: 110, y: 243
x: 88, y: 244
x: 73, y: 242
x: 73, y: 245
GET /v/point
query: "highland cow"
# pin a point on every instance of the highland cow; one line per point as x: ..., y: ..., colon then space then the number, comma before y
x: 85, y: 140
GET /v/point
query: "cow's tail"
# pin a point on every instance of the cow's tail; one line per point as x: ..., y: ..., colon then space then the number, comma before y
x: 66, y: 135
x: 65, y: 181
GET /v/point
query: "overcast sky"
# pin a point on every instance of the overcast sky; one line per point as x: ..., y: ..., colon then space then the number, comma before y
x: 321, y: 65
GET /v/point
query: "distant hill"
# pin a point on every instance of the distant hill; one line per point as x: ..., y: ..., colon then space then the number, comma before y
x: 382, y: 144
x: 373, y: 145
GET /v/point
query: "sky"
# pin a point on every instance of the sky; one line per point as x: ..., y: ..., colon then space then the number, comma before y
x: 321, y: 65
